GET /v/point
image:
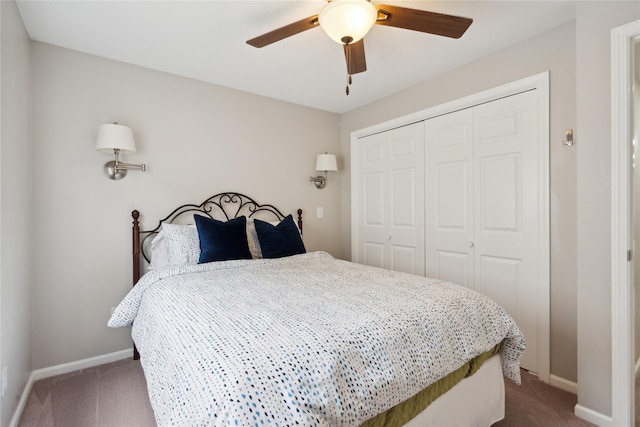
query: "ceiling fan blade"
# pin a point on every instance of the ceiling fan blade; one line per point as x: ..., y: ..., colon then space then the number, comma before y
x: 354, y: 55
x: 284, y: 32
x: 423, y: 21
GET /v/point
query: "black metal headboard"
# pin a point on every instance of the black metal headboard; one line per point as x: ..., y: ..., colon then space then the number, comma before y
x: 222, y: 206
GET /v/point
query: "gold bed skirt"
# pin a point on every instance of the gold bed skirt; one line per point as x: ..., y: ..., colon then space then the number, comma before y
x: 405, y: 411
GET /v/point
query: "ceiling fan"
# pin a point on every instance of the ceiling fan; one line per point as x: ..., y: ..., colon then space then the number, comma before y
x: 348, y: 21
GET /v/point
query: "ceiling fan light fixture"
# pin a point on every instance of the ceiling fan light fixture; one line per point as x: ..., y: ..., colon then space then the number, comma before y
x: 348, y: 19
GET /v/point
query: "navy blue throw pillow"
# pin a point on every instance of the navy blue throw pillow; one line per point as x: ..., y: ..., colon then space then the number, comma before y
x: 280, y: 240
x: 222, y: 241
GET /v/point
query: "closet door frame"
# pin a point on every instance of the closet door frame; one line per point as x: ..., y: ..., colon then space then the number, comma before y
x: 539, y: 83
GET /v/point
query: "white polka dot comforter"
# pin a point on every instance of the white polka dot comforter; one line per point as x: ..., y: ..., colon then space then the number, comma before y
x: 305, y: 340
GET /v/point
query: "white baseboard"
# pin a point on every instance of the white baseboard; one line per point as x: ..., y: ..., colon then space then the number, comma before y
x: 22, y: 403
x: 65, y: 368
x: 563, y: 384
x: 592, y: 416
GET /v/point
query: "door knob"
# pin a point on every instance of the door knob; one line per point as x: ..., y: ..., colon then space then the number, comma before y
x: 388, y: 236
x: 470, y: 244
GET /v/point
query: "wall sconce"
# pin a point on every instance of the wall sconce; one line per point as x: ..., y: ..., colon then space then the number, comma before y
x: 324, y: 162
x: 115, y: 138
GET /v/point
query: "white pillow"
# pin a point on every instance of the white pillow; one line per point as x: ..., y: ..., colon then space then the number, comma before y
x: 252, y: 240
x: 158, y: 251
x: 182, y: 244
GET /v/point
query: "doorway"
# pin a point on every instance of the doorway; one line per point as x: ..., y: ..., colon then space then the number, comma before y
x: 623, y: 39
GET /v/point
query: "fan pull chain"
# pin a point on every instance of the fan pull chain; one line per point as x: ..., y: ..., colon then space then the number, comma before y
x: 347, y: 50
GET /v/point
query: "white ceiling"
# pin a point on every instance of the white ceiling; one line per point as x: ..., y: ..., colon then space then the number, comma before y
x: 205, y: 40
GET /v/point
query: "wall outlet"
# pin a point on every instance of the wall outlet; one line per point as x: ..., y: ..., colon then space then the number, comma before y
x: 5, y: 380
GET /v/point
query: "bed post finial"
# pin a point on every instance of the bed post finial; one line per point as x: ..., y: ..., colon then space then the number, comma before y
x: 136, y: 246
x: 300, y: 220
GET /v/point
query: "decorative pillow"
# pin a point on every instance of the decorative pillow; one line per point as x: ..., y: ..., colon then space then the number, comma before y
x: 252, y: 240
x: 222, y: 241
x: 183, y: 245
x: 158, y: 251
x: 280, y: 240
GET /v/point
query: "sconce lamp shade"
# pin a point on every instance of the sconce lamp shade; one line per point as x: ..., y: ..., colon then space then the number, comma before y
x: 326, y: 162
x: 115, y: 136
x: 347, y: 19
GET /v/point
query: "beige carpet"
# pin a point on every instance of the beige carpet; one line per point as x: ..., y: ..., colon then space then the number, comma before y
x: 535, y: 403
x: 115, y: 395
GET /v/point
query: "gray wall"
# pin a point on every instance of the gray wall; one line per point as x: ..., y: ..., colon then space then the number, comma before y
x: 197, y: 139
x: 553, y: 51
x: 15, y: 208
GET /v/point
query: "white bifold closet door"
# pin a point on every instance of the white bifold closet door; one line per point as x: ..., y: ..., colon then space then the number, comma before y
x: 391, y: 199
x: 482, y: 210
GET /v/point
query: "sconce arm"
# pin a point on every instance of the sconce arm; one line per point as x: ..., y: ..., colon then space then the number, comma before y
x: 120, y: 166
x: 123, y: 166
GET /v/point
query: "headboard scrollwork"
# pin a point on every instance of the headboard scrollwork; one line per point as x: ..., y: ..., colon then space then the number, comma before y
x: 222, y: 206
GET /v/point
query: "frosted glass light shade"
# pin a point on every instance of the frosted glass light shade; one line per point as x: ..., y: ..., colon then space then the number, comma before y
x: 115, y: 136
x: 326, y: 162
x: 348, y: 18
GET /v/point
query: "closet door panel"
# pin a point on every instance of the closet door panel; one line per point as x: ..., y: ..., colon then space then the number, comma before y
x: 403, y: 198
x: 406, y: 199
x: 449, y: 197
x: 373, y: 199
x: 372, y: 190
x: 452, y: 195
x: 501, y: 183
x: 507, y: 213
x: 391, y: 201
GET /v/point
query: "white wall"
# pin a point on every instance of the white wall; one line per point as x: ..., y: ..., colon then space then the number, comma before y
x: 595, y: 20
x: 197, y: 139
x: 553, y: 51
x: 15, y: 207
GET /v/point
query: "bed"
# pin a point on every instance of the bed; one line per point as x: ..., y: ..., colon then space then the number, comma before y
x: 262, y: 332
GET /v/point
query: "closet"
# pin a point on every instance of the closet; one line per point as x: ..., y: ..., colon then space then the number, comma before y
x: 462, y: 196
